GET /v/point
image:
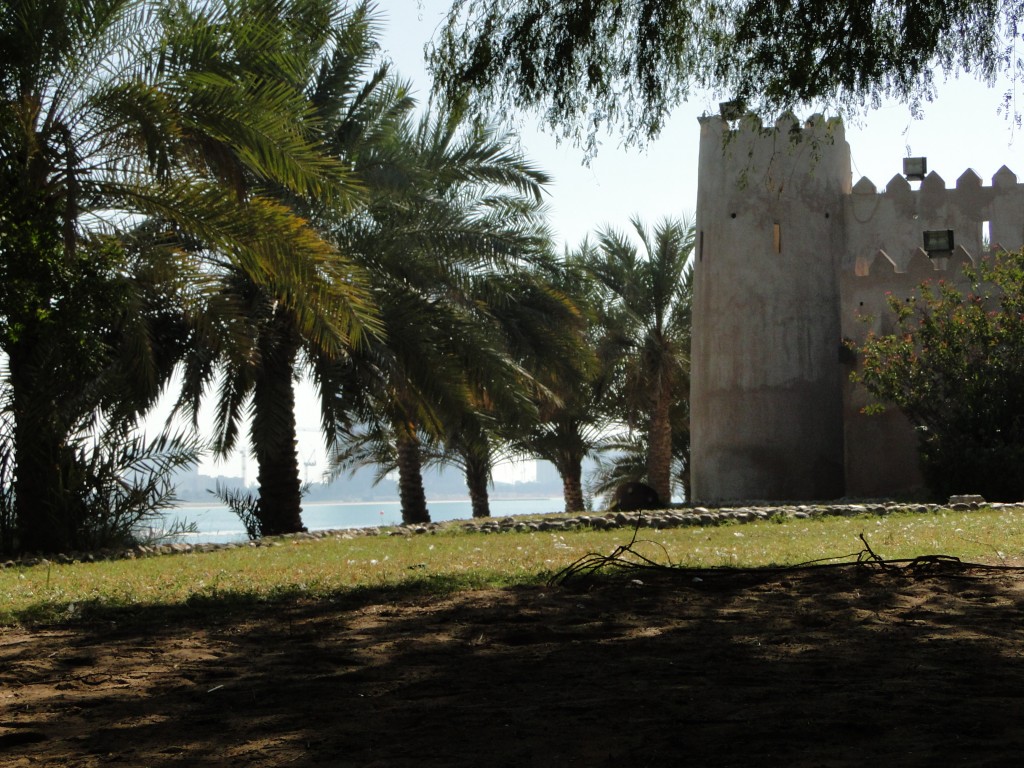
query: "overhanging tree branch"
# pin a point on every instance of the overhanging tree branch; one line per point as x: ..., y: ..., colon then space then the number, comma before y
x: 594, y: 65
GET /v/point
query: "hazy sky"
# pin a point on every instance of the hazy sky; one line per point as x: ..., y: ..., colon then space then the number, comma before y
x: 960, y: 130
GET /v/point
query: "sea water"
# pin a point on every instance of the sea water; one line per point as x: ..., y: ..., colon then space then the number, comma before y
x: 218, y: 524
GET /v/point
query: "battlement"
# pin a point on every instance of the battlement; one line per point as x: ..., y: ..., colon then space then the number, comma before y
x: 919, y: 265
x: 896, y: 219
x: 747, y: 166
x: 1004, y: 178
x: 788, y: 123
x: 791, y: 259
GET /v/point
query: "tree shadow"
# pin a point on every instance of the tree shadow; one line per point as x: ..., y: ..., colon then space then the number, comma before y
x: 804, y: 668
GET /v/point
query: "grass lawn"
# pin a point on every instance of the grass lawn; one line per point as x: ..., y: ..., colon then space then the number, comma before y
x: 454, y: 560
x: 453, y: 650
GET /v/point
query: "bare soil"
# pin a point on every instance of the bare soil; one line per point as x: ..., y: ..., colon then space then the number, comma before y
x: 824, y: 667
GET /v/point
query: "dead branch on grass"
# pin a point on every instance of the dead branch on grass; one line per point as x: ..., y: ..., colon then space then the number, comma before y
x: 626, y: 558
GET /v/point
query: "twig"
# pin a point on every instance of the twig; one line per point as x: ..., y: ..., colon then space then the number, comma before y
x: 594, y: 561
x: 867, y: 555
x: 627, y: 558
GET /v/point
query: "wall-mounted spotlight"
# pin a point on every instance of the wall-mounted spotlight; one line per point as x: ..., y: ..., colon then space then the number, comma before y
x: 938, y: 242
x: 915, y: 168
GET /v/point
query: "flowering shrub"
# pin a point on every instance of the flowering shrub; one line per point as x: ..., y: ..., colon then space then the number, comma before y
x: 955, y: 367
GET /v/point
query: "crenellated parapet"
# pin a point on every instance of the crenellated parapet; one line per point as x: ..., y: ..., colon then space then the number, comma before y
x: 792, y: 259
x: 886, y: 232
x: 788, y: 124
x: 895, y: 219
x: 744, y: 161
x: 865, y: 293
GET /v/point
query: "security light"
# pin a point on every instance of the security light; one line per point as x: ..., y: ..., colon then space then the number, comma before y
x: 938, y: 242
x: 915, y: 168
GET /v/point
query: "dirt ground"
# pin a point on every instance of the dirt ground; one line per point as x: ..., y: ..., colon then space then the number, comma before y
x: 830, y: 667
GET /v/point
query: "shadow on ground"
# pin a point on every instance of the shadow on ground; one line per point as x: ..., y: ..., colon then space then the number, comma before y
x: 831, y: 667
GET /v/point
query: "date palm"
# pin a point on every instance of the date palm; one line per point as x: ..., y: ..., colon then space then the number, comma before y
x: 521, y: 312
x: 350, y: 107
x: 465, y: 215
x: 542, y: 328
x: 570, y: 418
x: 113, y: 122
x: 622, y: 457
x: 415, y: 388
x: 646, y: 314
x: 469, y: 447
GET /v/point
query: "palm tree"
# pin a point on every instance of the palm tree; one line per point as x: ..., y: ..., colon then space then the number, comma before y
x: 526, y: 312
x: 111, y: 116
x: 407, y: 389
x: 473, y: 445
x: 474, y: 451
x: 622, y: 457
x: 463, y: 209
x: 542, y: 328
x: 349, y: 107
x: 646, y: 309
x: 386, y: 445
x: 570, y: 418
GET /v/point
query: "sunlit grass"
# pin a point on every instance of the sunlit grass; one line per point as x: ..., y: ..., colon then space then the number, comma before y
x: 455, y: 560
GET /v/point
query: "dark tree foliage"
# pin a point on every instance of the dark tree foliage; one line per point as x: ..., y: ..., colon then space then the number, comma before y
x: 954, y: 367
x: 593, y: 64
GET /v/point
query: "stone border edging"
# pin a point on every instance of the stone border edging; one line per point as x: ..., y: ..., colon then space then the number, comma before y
x: 677, y: 517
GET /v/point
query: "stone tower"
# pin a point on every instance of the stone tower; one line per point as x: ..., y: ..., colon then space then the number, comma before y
x: 767, y: 383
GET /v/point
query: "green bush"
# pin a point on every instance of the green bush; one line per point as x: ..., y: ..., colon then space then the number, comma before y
x: 955, y: 367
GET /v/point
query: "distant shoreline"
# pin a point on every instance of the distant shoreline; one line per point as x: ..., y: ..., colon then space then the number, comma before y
x: 388, y: 502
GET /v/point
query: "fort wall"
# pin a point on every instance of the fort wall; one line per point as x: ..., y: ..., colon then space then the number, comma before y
x: 766, y: 416
x: 791, y: 260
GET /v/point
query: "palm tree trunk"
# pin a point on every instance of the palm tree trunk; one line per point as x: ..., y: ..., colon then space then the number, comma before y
x: 477, y: 482
x: 274, y: 433
x: 572, y: 484
x: 659, y: 456
x: 684, y: 478
x: 410, y: 477
x: 40, y: 517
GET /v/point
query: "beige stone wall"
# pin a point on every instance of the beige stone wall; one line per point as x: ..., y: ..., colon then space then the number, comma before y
x: 881, y: 450
x: 884, y: 257
x: 791, y: 259
x: 766, y: 419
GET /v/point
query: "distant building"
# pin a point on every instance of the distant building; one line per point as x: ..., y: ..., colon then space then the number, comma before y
x: 790, y: 258
x: 192, y: 486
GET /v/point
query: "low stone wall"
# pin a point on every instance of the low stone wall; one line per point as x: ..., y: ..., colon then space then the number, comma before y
x: 679, y: 517
x: 703, y: 516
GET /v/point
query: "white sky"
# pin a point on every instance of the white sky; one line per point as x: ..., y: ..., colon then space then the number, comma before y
x: 960, y: 130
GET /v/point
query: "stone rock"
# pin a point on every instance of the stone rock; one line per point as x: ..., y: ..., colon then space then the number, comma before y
x: 966, y: 498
